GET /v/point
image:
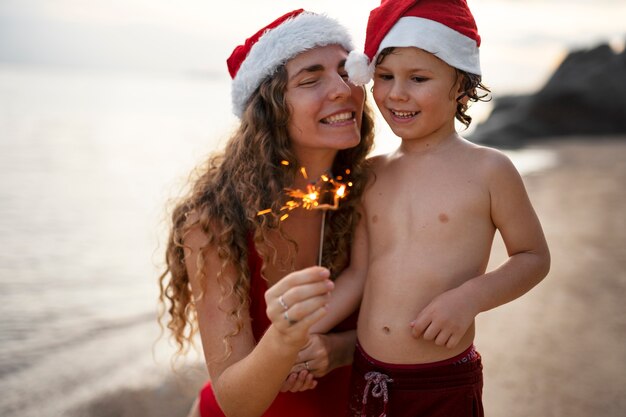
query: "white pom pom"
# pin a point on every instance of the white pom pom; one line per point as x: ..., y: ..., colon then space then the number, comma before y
x: 359, y: 69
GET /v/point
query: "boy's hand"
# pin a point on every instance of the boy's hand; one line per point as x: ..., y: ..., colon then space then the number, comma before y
x: 446, y: 319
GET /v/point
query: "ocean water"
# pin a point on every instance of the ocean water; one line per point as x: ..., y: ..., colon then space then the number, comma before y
x: 88, y: 162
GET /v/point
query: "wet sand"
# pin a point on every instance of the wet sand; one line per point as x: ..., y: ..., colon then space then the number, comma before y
x: 560, y: 350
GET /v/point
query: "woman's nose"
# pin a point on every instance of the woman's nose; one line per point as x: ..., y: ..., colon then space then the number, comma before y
x: 340, y: 87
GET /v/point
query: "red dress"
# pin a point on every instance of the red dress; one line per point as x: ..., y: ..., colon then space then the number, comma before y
x: 328, y: 399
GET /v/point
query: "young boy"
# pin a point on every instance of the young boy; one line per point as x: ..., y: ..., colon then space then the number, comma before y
x: 429, y: 218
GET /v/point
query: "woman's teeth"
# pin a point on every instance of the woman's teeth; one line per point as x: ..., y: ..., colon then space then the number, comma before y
x: 338, y: 118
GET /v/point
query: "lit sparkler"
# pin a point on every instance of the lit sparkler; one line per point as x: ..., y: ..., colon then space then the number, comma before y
x: 324, y: 194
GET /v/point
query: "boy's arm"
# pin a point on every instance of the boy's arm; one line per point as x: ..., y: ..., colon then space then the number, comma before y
x: 346, y: 296
x: 446, y: 319
x: 529, y: 257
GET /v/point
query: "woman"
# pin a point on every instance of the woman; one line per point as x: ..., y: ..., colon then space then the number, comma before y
x: 244, y: 276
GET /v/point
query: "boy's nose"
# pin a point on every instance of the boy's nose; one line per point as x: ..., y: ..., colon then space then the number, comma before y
x: 397, y: 92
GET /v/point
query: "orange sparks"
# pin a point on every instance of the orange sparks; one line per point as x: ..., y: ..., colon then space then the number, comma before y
x: 325, y: 194
x: 321, y: 195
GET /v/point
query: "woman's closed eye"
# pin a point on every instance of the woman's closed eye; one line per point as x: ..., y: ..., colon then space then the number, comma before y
x: 308, y: 82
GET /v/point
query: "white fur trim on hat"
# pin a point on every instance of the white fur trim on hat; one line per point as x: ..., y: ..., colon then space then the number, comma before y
x: 452, y: 47
x: 278, y: 45
x: 360, y: 70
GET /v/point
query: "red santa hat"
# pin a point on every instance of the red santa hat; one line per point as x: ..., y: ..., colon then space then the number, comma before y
x: 445, y: 28
x: 274, y: 45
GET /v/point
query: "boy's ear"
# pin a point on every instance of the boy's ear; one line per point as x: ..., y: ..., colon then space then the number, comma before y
x: 462, y: 97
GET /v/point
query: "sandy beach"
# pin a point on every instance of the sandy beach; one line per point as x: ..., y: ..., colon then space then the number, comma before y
x: 560, y: 350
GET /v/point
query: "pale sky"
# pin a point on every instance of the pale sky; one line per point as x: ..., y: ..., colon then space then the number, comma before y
x: 523, y: 40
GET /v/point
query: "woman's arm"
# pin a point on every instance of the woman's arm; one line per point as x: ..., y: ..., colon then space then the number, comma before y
x: 258, y: 371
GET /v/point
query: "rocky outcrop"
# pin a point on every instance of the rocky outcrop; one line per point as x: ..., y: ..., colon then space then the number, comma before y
x: 585, y: 96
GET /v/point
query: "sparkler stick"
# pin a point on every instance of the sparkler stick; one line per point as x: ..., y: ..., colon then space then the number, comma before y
x: 321, y: 249
x: 324, y: 195
x: 329, y: 190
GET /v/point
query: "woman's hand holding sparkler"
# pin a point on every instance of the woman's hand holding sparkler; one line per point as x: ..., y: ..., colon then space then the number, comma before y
x: 297, y: 301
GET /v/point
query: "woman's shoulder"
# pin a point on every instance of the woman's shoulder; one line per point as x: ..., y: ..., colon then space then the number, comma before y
x: 195, y: 230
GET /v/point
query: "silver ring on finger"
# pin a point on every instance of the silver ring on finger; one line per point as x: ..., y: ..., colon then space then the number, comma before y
x: 306, y: 365
x: 283, y: 304
x: 286, y: 316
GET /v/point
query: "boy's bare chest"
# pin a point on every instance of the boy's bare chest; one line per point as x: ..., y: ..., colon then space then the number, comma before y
x: 425, y: 201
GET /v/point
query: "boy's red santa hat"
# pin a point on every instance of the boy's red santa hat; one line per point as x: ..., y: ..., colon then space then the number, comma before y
x: 274, y: 45
x: 445, y: 28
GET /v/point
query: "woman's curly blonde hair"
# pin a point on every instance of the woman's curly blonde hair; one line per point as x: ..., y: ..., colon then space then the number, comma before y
x: 233, y: 187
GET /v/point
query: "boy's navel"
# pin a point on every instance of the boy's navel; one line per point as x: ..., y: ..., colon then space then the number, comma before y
x: 386, y: 329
